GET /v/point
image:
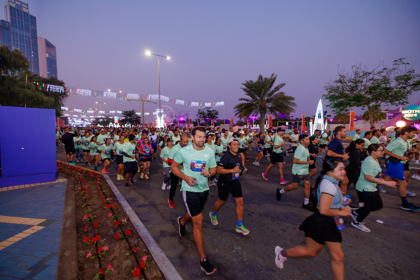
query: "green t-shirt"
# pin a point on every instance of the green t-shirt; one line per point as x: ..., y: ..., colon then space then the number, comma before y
x: 392, y: 137
x: 224, y: 143
x: 93, y: 149
x: 367, y: 142
x: 267, y: 139
x: 194, y: 161
x: 176, y: 139
x: 246, y: 141
x: 165, y: 154
x: 77, y: 142
x: 278, y: 141
x: 398, y: 147
x: 356, y: 136
x: 211, y: 147
x: 242, y: 142
x: 301, y: 154
x: 322, y: 140
x: 219, y: 150
x: 374, y: 140
x: 116, y: 138
x: 129, y: 149
x: 106, y: 151
x: 86, y: 141
x: 369, y: 167
x: 119, y: 148
x: 101, y: 138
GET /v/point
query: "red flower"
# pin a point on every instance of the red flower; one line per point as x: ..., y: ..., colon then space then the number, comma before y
x: 134, y: 249
x: 88, y: 190
x: 142, y: 264
x: 86, y: 239
x: 108, y: 206
x: 85, y: 228
x: 100, y: 250
x: 103, y: 201
x: 117, y: 223
x: 95, y: 224
x: 101, y: 196
x: 90, y: 196
x: 99, y: 191
x: 127, y: 232
x: 102, y: 272
x: 114, y: 205
x: 117, y: 236
x: 136, y: 271
x: 97, y: 237
x: 98, y: 186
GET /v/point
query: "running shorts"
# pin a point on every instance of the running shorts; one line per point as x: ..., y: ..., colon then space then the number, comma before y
x: 194, y: 202
x: 298, y: 178
x: 119, y: 160
x: 70, y: 151
x: 395, y: 171
x: 130, y: 167
x: 229, y: 187
x: 276, y: 157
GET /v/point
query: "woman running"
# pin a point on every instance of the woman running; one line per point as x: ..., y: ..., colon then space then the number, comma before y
x: 323, y: 227
x: 118, y: 148
x: 353, y: 168
x: 94, y: 156
x: 106, y: 150
x: 370, y: 177
x: 145, y: 152
x: 164, y: 154
x: 259, y: 143
x: 86, y: 141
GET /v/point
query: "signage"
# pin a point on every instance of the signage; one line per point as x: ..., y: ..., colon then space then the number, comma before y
x: 303, y: 123
x: 411, y: 113
x: 352, y: 116
x: 55, y: 88
x: 110, y: 94
x: 180, y: 102
x: 207, y: 105
x: 84, y: 92
x: 133, y: 96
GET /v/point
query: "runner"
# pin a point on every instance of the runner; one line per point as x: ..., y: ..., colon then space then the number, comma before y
x: 259, y: 144
x: 242, y: 147
x: 321, y: 228
x: 67, y: 140
x: 230, y: 168
x: 313, y: 153
x: 118, y: 149
x: 355, y: 162
x: 129, y: 160
x: 199, y: 166
x: 277, y: 156
x: 153, y: 137
x: 366, y: 187
x: 324, y: 140
x: 268, y: 144
x: 300, y: 171
x: 106, y: 150
x: 164, y: 154
x: 94, y: 156
x: 145, y: 151
x: 77, y: 140
x: 225, y: 139
x: 86, y: 141
x: 357, y: 135
x: 366, y: 138
x: 174, y: 178
x: 294, y: 140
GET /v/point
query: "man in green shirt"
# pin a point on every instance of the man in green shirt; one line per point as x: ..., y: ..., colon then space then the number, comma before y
x: 324, y: 140
x: 277, y: 156
x: 357, y: 135
x: 268, y: 146
x: 164, y: 154
x: 129, y: 160
x: 366, y: 138
x: 174, y: 179
x: 225, y: 138
x: 300, y: 171
x: 78, y: 146
x: 375, y: 137
x: 199, y: 164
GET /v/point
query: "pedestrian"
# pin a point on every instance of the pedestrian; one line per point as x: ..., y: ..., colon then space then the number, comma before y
x: 106, y: 150
x: 129, y: 160
x: 164, y: 154
x: 277, y: 156
x: 324, y: 139
x: 145, y: 151
x: 94, y: 155
x: 175, y: 179
x: 259, y: 144
x: 77, y: 140
x: 268, y: 144
x: 67, y: 140
x: 118, y: 149
x: 86, y: 141
x: 313, y: 153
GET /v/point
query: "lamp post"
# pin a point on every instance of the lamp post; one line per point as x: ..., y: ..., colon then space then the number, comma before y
x: 142, y: 108
x: 100, y: 105
x: 159, y: 114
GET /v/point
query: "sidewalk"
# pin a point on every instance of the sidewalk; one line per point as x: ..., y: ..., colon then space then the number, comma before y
x: 30, y: 229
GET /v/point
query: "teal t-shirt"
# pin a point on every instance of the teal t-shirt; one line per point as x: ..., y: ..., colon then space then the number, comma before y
x: 211, y: 146
x: 356, y: 136
x: 106, y: 151
x: 77, y: 142
x: 301, y: 154
x: 101, y: 138
x: 322, y: 140
x: 86, y: 141
x: 242, y: 142
x: 367, y: 142
x: 194, y: 161
x: 219, y: 150
x: 176, y: 139
x: 374, y: 140
x: 93, y: 149
x: 267, y: 139
x: 129, y: 149
x: 224, y: 143
x: 165, y: 154
x: 278, y: 141
x: 369, y: 167
x: 398, y: 147
x: 119, y: 148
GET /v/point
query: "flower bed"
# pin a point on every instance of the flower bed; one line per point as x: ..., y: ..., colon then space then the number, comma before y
x: 108, y: 245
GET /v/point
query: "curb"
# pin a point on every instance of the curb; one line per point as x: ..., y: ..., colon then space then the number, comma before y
x: 160, y: 258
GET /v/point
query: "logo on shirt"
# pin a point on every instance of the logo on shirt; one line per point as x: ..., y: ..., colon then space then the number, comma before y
x: 197, y: 165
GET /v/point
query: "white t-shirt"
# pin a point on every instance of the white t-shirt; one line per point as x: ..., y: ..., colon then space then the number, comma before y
x: 294, y: 138
x: 383, y: 139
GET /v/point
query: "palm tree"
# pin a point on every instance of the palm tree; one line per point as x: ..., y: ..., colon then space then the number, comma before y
x: 130, y: 117
x: 263, y: 99
x: 374, y: 114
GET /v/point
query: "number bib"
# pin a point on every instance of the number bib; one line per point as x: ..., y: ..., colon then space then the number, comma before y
x: 235, y: 176
x: 197, y: 165
x: 120, y: 152
x: 339, y: 222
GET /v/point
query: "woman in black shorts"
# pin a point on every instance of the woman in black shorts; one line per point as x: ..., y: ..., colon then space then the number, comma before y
x: 324, y: 226
x: 355, y: 161
x: 259, y: 143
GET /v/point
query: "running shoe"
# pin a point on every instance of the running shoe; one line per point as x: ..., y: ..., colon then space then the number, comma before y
x: 283, y: 182
x: 279, y: 260
x: 242, y: 229
x: 171, y: 203
x: 411, y: 193
x: 264, y: 176
x: 142, y: 176
x: 126, y: 185
x: 415, y: 177
x: 213, y: 219
x: 410, y: 207
x: 360, y: 226
x: 207, y: 267
x: 118, y: 177
x: 215, y: 180
x: 254, y: 163
x: 146, y: 177
x: 132, y: 182
x: 86, y: 163
x: 168, y: 187
x: 278, y: 194
x: 258, y: 163
x: 246, y: 160
x: 181, y: 228
x: 354, y: 215
x: 381, y: 189
x: 138, y: 170
x: 307, y: 207
x: 96, y: 168
x: 163, y: 186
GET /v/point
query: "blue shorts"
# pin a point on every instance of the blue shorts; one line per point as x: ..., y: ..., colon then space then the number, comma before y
x: 395, y: 171
x: 154, y: 146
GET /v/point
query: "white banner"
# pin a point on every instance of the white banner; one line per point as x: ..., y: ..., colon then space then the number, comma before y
x: 66, y: 115
x: 133, y: 96
x: 119, y: 112
x: 101, y: 112
x: 90, y: 112
x: 180, y: 102
x: 207, y: 104
x: 164, y: 98
x: 112, y: 112
x: 84, y: 92
x: 77, y: 110
x: 221, y: 103
x: 64, y: 108
x: 55, y: 88
x: 194, y: 104
x: 153, y: 97
x: 110, y: 94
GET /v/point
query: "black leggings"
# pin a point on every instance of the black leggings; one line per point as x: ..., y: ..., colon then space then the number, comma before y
x: 372, y: 202
x: 174, y: 184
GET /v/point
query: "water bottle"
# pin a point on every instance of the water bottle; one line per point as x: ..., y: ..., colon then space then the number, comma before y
x: 346, y: 199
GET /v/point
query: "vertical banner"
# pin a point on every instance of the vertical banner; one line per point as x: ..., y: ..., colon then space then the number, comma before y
x: 351, y: 121
x: 147, y: 125
x: 311, y: 126
x: 189, y: 123
x: 270, y: 121
x: 326, y: 122
x: 231, y: 122
x: 303, y: 122
x: 154, y: 124
x: 212, y: 122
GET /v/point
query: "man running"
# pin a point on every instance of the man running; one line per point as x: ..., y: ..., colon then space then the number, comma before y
x: 277, y: 156
x: 357, y: 135
x: 68, y: 142
x: 174, y: 178
x: 199, y: 164
x: 230, y: 168
x: 129, y: 160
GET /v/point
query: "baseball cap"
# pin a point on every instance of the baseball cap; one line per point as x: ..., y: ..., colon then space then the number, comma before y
x: 169, y: 139
x: 232, y: 139
x: 242, y: 132
x: 280, y: 129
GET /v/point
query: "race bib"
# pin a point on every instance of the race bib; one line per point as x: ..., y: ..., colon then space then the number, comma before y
x: 243, y: 146
x: 86, y: 143
x: 339, y: 222
x: 224, y: 147
x: 218, y: 157
x: 78, y: 142
x: 197, y: 165
x: 107, y: 153
x: 379, y: 175
x: 134, y: 152
x: 235, y: 176
x: 120, y: 152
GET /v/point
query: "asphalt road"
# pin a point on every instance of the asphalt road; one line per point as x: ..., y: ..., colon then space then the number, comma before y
x: 390, y: 251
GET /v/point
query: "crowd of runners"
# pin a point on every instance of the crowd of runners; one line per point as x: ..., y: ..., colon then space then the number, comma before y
x: 203, y: 157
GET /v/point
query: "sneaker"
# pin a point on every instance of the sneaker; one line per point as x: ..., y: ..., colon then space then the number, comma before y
x: 278, y: 194
x: 213, y: 219
x: 258, y: 163
x: 354, y: 215
x: 146, y: 177
x: 246, y: 160
x: 283, y: 182
x: 264, y: 176
x: 96, y: 168
x: 86, y: 163
x: 215, y: 180
x: 126, y: 185
x: 118, y: 177
x: 171, y: 203
x: 181, y: 228
x: 409, y: 207
x: 381, y: 189
x: 163, y: 186
x: 360, y: 226
x: 168, y: 187
x: 411, y: 193
x: 138, y: 169
x: 207, y: 267
x: 287, y: 153
x: 131, y: 182
x: 254, y: 163
x: 279, y: 260
x: 242, y: 229
x: 307, y: 207
x: 141, y: 176
x: 415, y: 177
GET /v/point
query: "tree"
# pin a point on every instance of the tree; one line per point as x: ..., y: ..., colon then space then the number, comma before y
x: 376, y: 114
x: 262, y: 98
x: 206, y: 114
x: 343, y: 118
x: 130, y: 117
x: 366, y: 89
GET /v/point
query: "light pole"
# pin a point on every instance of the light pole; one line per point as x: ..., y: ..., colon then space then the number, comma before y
x: 142, y: 108
x: 100, y: 105
x: 159, y: 114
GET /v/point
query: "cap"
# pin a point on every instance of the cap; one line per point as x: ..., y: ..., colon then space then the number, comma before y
x: 169, y: 139
x: 232, y: 139
x: 242, y: 132
x: 280, y: 129
x: 312, y: 138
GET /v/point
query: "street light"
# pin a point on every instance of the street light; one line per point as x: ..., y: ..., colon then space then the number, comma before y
x: 159, y: 114
x: 100, y: 104
x: 142, y: 108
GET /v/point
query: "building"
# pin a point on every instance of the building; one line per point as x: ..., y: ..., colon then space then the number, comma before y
x: 47, y: 58
x: 5, y: 35
x: 23, y: 31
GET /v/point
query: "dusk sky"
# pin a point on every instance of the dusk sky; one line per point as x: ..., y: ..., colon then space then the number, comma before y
x: 216, y: 45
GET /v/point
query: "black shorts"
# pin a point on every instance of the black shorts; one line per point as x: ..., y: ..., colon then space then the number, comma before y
x: 406, y: 166
x: 70, y: 151
x: 266, y: 150
x: 275, y: 157
x: 194, y: 202
x: 85, y: 151
x: 298, y: 178
x: 119, y: 160
x: 130, y: 167
x: 321, y: 228
x: 322, y: 146
x: 145, y: 159
x: 229, y: 187
x: 312, y: 166
x: 241, y: 151
x: 108, y: 159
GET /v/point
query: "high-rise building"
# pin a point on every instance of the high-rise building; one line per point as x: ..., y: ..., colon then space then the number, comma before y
x: 5, y: 36
x: 47, y: 58
x: 23, y: 31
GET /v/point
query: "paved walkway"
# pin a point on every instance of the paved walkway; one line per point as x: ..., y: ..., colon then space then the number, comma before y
x: 31, y: 218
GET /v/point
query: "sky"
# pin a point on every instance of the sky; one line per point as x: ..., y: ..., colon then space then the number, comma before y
x: 215, y: 46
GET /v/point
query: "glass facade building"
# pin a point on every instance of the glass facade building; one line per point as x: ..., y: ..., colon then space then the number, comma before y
x: 47, y: 58
x: 5, y: 35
